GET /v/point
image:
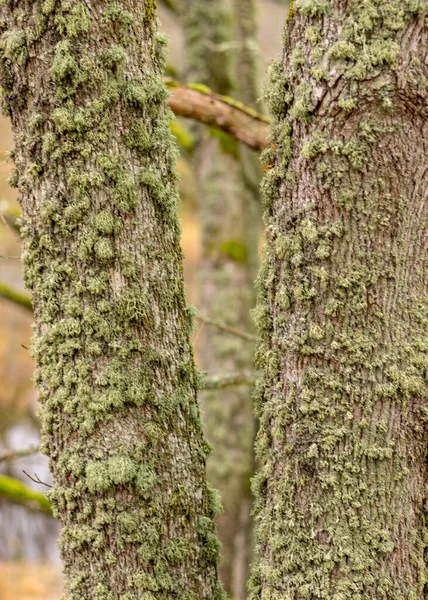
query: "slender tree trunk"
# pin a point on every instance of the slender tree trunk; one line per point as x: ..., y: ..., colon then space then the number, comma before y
x: 227, y: 275
x: 248, y: 91
x: 97, y: 185
x: 343, y: 301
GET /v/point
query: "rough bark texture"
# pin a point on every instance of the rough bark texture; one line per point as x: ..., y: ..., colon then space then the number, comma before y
x: 97, y: 185
x: 225, y: 292
x: 341, y: 493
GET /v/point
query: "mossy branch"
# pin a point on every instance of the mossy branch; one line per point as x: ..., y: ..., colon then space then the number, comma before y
x: 17, y: 492
x: 196, y: 101
x: 16, y: 297
x: 219, y: 382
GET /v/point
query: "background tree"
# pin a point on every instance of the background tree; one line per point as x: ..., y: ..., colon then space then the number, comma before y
x: 341, y: 493
x: 230, y: 228
x: 115, y: 372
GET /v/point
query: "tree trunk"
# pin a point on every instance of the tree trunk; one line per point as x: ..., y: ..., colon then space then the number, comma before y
x: 115, y: 371
x: 343, y: 300
x: 226, y: 293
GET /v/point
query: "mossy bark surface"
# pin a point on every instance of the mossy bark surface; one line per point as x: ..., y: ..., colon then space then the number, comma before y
x: 342, y: 309
x: 95, y: 171
x: 227, y: 273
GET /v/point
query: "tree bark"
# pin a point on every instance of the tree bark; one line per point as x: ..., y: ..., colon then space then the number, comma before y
x: 342, y: 309
x: 226, y: 291
x: 117, y: 383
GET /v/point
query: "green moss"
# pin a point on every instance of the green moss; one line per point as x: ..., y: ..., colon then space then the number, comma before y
x: 105, y: 222
x: 13, y: 45
x: 66, y: 72
x: 332, y: 228
x: 145, y: 481
x: 312, y: 8
x: 121, y: 469
x: 76, y: 22
x: 303, y: 103
x: 317, y: 145
x: 117, y: 382
x: 97, y: 477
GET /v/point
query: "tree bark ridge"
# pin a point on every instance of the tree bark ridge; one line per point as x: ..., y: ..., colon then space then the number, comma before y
x: 342, y: 311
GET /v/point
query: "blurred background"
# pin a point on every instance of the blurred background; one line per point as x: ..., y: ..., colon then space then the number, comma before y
x: 29, y: 563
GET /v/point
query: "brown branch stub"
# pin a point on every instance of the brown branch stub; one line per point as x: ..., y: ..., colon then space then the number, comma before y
x: 198, y: 102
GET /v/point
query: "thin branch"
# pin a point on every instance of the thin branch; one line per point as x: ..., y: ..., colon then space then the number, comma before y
x: 198, y: 102
x: 19, y: 453
x: 36, y: 479
x: 17, y: 492
x: 237, y: 332
x: 15, y: 296
x: 220, y: 382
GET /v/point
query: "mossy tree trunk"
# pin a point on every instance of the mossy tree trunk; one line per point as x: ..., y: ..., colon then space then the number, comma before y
x: 342, y: 310
x: 226, y: 290
x: 115, y: 372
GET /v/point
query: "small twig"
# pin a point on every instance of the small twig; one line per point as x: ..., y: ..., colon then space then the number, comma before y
x: 198, y: 333
x: 38, y: 480
x: 232, y: 330
x: 19, y: 453
x: 9, y: 257
x: 219, y: 382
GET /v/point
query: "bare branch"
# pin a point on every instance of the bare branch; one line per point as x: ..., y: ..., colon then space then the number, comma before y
x: 36, y: 479
x: 19, y: 453
x: 237, y: 332
x: 197, y: 101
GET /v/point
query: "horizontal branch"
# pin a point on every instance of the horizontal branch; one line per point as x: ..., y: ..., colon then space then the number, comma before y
x: 19, y: 453
x: 220, y: 382
x: 237, y: 332
x: 16, y: 297
x: 17, y: 492
x: 196, y: 101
